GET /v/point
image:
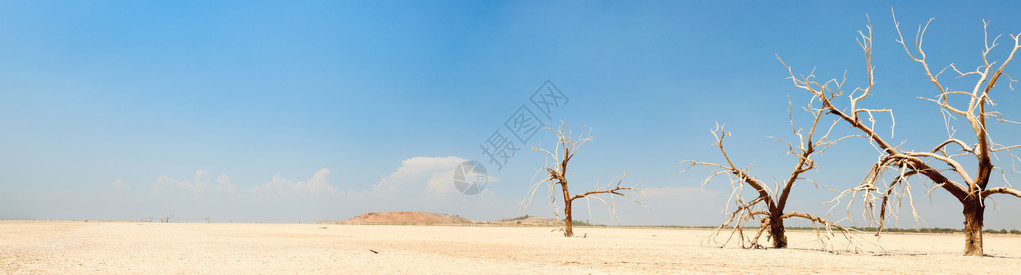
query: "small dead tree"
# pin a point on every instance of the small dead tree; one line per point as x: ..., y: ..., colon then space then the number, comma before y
x: 770, y: 203
x: 900, y: 165
x: 167, y: 219
x: 556, y: 176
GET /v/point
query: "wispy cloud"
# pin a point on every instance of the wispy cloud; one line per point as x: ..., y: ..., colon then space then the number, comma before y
x: 119, y: 185
x: 317, y: 184
x: 196, y: 185
x: 223, y: 185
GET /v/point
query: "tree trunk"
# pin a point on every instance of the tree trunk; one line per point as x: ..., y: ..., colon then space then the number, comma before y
x: 973, y: 215
x: 568, y: 222
x: 776, y: 232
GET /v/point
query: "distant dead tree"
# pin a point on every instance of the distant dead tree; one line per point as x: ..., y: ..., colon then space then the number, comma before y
x: 556, y: 176
x: 167, y: 219
x: 899, y: 165
x: 769, y: 204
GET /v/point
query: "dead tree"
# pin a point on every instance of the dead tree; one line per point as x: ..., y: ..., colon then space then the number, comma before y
x: 769, y: 206
x: 888, y: 179
x: 556, y: 176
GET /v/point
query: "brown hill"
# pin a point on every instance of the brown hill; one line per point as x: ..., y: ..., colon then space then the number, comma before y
x: 406, y: 217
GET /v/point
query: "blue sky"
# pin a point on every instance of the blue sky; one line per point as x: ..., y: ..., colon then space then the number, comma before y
x: 301, y: 111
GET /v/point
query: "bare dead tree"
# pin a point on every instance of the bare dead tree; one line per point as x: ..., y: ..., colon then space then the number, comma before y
x: 900, y: 165
x: 556, y: 176
x: 769, y: 206
x: 167, y: 219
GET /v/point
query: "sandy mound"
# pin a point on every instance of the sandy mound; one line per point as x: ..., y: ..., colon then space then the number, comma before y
x: 406, y: 218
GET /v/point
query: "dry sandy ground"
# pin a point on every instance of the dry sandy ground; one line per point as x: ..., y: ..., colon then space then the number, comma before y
x: 123, y: 247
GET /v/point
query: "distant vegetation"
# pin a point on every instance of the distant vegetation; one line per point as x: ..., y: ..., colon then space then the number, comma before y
x: 581, y: 223
x: 518, y: 218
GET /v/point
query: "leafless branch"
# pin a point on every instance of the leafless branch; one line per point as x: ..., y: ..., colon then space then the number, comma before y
x: 556, y: 176
x: 900, y: 164
x: 768, y: 207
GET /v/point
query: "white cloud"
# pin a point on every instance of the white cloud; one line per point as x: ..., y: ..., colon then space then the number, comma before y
x: 119, y: 185
x: 223, y: 184
x: 426, y: 184
x: 198, y: 184
x: 433, y: 173
x: 317, y: 184
x: 440, y: 183
x: 200, y: 174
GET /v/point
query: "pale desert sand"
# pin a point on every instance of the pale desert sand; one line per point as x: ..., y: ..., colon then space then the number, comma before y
x: 127, y: 247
